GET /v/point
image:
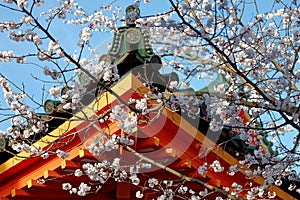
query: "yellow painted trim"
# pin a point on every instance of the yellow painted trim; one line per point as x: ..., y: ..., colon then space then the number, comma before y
x: 218, y: 182
x: 130, y: 83
x: 81, y: 153
x: 127, y: 83
x: 191, y: 130
x: 13, y: 192
x: 189, y: 163
x: 172, y: 152
x: 63, y: 164
x: 46, y: 174
x: 44, y: 170
x: 29, y: 183
x: 156, y: 141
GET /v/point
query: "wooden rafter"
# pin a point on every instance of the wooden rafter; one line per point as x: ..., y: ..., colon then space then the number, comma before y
x: 19, y: 177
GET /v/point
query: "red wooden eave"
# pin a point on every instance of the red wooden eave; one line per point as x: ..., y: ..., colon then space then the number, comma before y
x: 163, y: 140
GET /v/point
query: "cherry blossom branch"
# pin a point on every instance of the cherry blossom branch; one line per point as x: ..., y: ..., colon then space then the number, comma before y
x: 243, y: 101
x: 22, y: 90
x: 181, y: 176
x: 75, y: 62
x: 159, y: 14
x: 10, y: 8
x: 237, y: 71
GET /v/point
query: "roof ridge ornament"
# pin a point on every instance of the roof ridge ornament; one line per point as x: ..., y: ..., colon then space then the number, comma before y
x: 132, y: 14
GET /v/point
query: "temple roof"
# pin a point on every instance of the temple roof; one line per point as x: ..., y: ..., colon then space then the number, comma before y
x: 21, y: 178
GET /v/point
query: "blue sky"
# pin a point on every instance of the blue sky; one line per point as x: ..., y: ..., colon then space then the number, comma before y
x: 22, y: 74
x: 68, y: 37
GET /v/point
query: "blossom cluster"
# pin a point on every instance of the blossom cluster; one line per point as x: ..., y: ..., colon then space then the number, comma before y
x: 103, y: 71
x: 126, y: 122
x: 24, y: 123
x: 8, y: 25
x: 102, y: 171
x: 172, y: 189
x: 259, y: 60
x: 6, y: 56
x: 52, y: 72
x: 104, y: 20
x: 82, y: 190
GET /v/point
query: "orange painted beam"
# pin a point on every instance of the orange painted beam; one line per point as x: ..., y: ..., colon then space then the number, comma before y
x: 169, y: 126
x: 186, y: 132
x: 69, y: 164
x: 35, y: 171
